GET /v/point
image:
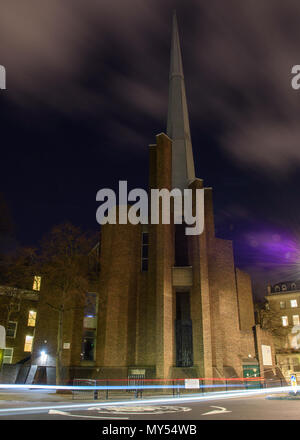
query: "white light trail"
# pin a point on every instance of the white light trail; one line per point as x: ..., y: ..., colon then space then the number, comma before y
x: 162, y: 400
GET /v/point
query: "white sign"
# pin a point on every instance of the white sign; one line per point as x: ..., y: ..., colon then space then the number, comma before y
x: 90, y: 322
x: 2, y: 78
x: 191, y: 384
x: 266, y: 354
x: 2, y: 337
x: 141, y: 372
x: 67, y: 345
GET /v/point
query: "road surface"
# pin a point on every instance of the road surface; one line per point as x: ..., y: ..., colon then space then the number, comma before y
x: 256, y: 407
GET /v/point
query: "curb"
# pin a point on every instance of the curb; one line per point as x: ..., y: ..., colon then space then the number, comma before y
x: 274, y: 397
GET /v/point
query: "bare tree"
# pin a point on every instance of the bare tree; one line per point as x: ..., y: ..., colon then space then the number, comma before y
x: 270, y: 319
x: 18, y: 277
x: 66, y: 273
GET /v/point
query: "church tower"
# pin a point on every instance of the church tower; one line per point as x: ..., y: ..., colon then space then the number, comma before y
x: 178, y: 128
x: 168, y: 302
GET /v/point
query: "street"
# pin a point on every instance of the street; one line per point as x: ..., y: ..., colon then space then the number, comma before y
x: 250, y: 407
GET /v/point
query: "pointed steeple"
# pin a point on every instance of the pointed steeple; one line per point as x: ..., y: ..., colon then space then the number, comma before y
x: 178, y: 128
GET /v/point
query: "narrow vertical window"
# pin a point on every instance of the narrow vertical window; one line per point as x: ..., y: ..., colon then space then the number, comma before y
x: 181, y: 246
x: 37, y: 283
x: 31, y: 318
x: 8, y: 355
x: 28, y: 343
x: 11, y: 330
x: 144, y: 251
x: 88, y: 346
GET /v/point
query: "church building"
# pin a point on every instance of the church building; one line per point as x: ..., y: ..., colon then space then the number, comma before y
x: 173, y: 305
x: 169, y: 305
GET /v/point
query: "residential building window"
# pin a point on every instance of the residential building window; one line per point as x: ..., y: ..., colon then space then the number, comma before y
x: 293, y: 286
x: 37, y: 283
x: 31, y: 318
x: 277, y: 289
x: 285, y: 321
x: 283, y: 287
x: 11, y: 330
x: 15, y: 307
x: 294, y: 303
x: 282, y: 304
x: 145, y: 246
x: 296, y: 319
x: 8, y: 355
x: 28, y: 343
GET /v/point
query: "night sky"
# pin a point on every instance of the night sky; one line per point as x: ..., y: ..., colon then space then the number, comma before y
x: 87, y: 90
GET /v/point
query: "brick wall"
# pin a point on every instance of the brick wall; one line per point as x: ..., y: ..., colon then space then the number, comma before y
x: 160, y: 264
x: 245, y: 300
x: 120, y: 257
x: 263, y: 337
x: 247, y: 344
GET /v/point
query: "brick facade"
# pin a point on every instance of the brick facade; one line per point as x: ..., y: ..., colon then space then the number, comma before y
x: 137, y: 309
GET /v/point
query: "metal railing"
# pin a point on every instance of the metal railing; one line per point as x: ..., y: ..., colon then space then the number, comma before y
x: 103, y: 389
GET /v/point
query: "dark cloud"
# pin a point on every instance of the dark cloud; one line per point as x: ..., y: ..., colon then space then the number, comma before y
x: 247, y: 51
x: 87, y: 91
x: 238, y: 57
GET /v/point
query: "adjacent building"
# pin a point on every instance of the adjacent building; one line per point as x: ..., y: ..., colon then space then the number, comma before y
x: 283, y: 309
x: 18, y: 313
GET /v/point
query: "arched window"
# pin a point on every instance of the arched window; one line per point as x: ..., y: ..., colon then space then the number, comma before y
x: 293, y: 286
x: 277, y: 289
x: 283, y: 287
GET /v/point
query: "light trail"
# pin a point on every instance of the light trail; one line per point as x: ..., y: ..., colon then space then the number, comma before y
x: 161, y: 400
x: 110, y: 387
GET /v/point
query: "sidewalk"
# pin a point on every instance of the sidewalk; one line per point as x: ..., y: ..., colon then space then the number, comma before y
x: 51, y: 396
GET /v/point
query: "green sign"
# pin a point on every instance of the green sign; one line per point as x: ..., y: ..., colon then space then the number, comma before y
x: 250, y: 371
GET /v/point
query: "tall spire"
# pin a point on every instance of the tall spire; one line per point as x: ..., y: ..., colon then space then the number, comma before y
x: 178, y: 128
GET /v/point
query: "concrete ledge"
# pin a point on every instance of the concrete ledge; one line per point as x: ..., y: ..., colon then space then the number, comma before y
x: 182, y: 276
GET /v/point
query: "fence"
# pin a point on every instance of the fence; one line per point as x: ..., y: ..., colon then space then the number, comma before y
x: 89, y: 394
x: 138, y: 381
x: 102, y: 389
